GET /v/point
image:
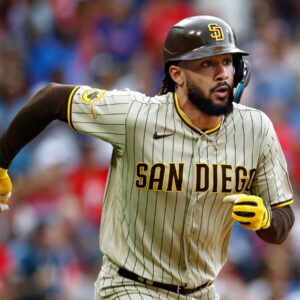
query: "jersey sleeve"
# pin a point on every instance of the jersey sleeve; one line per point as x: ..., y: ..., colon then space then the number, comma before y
x: 100, y: 113
x: 271, y: 180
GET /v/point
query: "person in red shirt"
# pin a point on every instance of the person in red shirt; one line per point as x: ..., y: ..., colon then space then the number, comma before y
x: 87, y: 183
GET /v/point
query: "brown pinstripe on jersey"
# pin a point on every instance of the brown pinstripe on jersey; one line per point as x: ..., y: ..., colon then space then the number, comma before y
x: 163, y: 216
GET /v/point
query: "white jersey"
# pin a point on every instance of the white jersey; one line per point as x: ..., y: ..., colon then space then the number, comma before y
x: 163, y: 216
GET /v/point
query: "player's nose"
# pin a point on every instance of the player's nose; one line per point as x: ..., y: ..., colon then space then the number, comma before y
x: 221, y: 72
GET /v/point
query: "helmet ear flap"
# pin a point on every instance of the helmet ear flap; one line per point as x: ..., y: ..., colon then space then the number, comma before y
x: 241, y: 77
x: 239, y: 69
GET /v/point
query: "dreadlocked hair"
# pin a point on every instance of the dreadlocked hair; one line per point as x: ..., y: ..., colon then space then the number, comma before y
x: 168, y: 85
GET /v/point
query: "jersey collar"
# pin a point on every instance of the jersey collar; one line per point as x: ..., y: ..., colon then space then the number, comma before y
x: 187, y: 121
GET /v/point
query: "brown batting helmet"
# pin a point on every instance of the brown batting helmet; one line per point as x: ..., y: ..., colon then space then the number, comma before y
x: 199, y: 37
x: 204, y: 36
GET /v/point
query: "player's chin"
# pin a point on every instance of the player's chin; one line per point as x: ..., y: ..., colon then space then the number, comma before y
x: 220, y: 101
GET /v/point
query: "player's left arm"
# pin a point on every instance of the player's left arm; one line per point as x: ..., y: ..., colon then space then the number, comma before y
x: 282, y: 221
x: 267, y: 210
x: 272, y: 224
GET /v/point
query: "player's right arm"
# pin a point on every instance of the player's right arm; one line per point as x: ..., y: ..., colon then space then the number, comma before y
x: 49, y: 104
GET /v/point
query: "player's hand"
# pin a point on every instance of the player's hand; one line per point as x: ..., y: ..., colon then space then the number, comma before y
x: 5, y: 189
x: 250, y: 211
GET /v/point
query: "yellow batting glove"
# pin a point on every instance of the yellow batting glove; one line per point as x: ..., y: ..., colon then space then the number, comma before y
x: 250, y: 211
x: 5, y: 189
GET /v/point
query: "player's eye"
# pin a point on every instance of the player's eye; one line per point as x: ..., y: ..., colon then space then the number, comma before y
x: 206, y: 64
x: 227, y: 61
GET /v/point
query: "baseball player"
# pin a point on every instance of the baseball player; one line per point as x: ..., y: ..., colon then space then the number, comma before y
x: 186, y: 165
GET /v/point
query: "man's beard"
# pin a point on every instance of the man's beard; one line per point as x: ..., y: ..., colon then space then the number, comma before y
x: 206, y: 104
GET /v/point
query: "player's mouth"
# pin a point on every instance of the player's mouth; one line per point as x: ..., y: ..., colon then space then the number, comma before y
x: 221, y: 91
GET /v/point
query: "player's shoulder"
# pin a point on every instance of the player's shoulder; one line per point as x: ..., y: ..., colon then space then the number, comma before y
x: 252, y: 119
x: 140, y: 97
x: 243, y: 111
x: 128, y: 94
x: 91, y: 94
x: 125, y: 98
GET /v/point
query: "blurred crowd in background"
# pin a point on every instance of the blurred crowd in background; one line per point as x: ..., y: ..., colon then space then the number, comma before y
x: 49, y: 238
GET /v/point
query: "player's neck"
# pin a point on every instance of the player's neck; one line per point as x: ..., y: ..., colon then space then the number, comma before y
x: 199, y: 119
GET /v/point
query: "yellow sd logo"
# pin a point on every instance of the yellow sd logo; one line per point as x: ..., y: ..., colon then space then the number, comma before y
x: 217, y: 32
x: 91, y: 97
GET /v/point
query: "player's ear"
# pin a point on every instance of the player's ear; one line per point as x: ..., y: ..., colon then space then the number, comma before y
x: 176, y: 74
